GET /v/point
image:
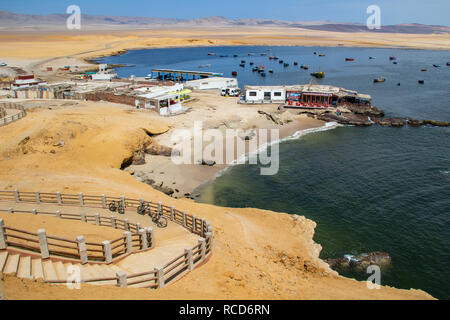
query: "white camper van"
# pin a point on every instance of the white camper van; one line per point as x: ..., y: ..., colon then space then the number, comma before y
x: 231, y: 92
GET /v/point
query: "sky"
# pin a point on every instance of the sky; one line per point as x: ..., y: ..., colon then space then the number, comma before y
x: 392, y: 11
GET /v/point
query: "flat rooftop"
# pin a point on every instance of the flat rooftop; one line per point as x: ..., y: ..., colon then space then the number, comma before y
x: 203, y: 73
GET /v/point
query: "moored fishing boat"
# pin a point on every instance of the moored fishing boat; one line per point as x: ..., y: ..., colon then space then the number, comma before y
x: 380, y: 79
x: 421, y: 81
x: 436, y: 65
x: 349, y: 59
x: 392, y: 58
x: 270, y: 71
x: 318, y: 75
x: 234, y: 73
x: 286, y: 64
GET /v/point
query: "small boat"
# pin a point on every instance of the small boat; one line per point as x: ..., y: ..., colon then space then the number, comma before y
x: 286, y: 65
x: 436, y: 65
x: 250, y: 54
x: 3, y: 64
x: 321, y: 55
x: 281, y: 61
x: 381, y: 79
x: 242, y: 65
x: 234, y: 73
x: 223, y: 56
x: 448, y: 64
x: 242, y: 61
x: 295, y: 63
x: 235, y: 55
x: 304, y: 66
x: 271, y: 58
x: 372, y: 58
x: 423, y: 69
x: 211, y: 54
x: 318, y: 75
x: 421, y: 81
x: 255, y: 69
x: 315, y: 52
x: 395, y: 62
x: 275, y: 58
x: 349, y: 59
x: 270, y: 71
x: 263, y: 54
x: 263, y: 74
x: 392, y: 58
x: 251, y: 63
x: 398, y: 84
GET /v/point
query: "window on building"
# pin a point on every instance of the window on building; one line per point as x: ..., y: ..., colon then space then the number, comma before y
x: 277, y: 94
x: 252, y: 93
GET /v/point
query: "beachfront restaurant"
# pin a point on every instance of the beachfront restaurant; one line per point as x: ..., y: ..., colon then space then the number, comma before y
x: 309, y: 99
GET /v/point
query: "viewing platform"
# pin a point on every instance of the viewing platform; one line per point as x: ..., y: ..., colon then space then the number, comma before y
x: 181, y: 75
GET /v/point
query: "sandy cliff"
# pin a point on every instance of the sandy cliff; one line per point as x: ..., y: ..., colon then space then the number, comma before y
x: 257, y: 253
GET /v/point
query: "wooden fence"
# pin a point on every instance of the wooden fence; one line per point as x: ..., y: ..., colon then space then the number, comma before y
x: 134, y: 239
x: 155, y: 278
x: 4, y: 120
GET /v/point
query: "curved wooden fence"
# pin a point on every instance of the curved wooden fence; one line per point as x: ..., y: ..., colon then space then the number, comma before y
x: 4, y: 119
x: 155, y: 278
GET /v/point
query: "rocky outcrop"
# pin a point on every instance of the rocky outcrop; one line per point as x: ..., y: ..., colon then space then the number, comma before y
x: 417, y: 123
x: 279, y: 119
x: 346, y: 118
x: 154, y: 148
x: 360, y: 262
x: 391, y: 122
x: 366, y: 110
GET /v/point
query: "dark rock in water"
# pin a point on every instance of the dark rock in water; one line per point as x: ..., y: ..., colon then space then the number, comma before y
x: 391, y: 122
x: 417, y: 123
x: 366, y: 110
x: 208, y: 162
x: 360, y: 262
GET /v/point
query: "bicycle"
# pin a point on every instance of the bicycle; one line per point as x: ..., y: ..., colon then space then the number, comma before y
x: 117, y: 205
x: 159, y: 220
x: 143, y: 208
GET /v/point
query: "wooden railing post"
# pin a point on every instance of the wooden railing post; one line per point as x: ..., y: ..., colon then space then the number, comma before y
x: 81, y: 198
x: 203, y: 228
x: 121, y: 279
x: 126, y: 225
x: 194, y: 223
x: 16, y: 195
x: 107, y: 251
x: 43, y: 244
x: 58, y: 197
x: 83, y: 216
x: 103, y: 201
x: 97, y: 219
x: 143, y: 238
x: 58, y: 214
x: 172, y: 213
x: 184, y: 219
x: 113, y: 222
x: 150, y: 237
x: 189, y: 261
x: 34, y: 211
x: 160, y: 276
x: 202, y: 243
x: 160, y: 207
x: 38, y: 197
x: 82, y: 250
x: 3, y: 243
x: 122, y: 199
x: 128, y: 241
x: 10, y: 210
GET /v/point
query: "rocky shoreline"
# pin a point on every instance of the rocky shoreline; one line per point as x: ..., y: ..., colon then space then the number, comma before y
x: 364, y: 116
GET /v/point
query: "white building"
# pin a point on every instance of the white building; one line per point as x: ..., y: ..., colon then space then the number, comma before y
x: 265, y: 94
x: 212, y: 83
x: 26, y: 81
x: 104, y: 73
x: 164, y: 100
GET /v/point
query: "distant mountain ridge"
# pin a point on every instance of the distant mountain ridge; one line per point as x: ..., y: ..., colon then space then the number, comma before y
x: 11, y: 20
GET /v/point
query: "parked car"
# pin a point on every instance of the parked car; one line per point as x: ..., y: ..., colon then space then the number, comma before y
x: 232, y: 92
